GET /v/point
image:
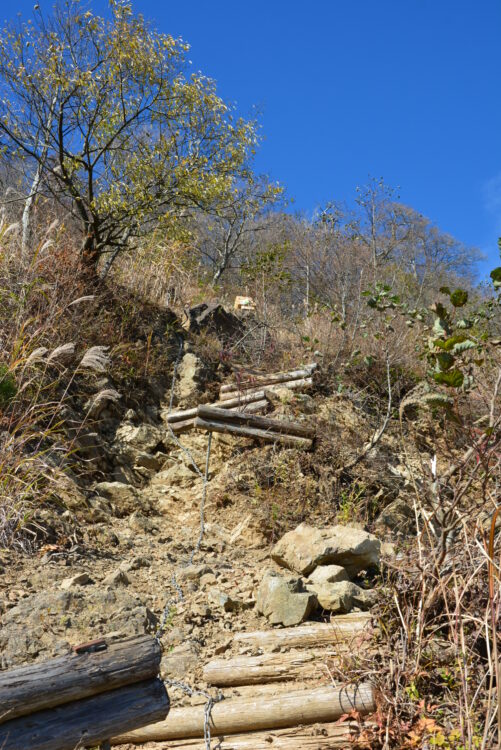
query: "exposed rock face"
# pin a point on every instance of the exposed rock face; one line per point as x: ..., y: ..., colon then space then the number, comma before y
x: 341, y: 597
x: 191, y: 378
x: 306, y: 547
x: 328, y: 574
x: 124, y: 497
x: 213, y: 317
x: 284, y: 601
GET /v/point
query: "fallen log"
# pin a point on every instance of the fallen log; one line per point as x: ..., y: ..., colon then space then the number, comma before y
x: 314, y: 737
x: 88, y: 722
x: 34, y: 687
x: 265, y: 668
x: 213, y: 413
x: 291, y: 441
x: 259, y: 380
x: 344, y: 629
x: 292, y: 384
x: 252, y: 714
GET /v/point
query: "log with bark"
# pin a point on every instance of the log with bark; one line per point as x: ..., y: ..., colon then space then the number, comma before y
x: 34, y: 687
x: 216, y: 414
x: 313, y: 737
x: 184, y: 414
x: 343, y: 632
x: 249, y: 714
x: 292, y: 441
x: 250, y: 408
x: 87, y: 722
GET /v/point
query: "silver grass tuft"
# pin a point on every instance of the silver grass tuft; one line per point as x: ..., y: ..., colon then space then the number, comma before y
x: 96, y: 359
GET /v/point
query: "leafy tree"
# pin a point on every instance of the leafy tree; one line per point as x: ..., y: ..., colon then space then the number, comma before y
x: 106, y: 119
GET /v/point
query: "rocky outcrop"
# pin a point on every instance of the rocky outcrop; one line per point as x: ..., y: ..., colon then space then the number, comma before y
x: 306, y: 547
x: 341, y: 597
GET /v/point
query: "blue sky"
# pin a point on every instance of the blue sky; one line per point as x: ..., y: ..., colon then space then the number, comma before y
x: 404, y: 89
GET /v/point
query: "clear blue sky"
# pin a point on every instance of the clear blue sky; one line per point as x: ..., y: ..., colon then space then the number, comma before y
x: 404, y: 89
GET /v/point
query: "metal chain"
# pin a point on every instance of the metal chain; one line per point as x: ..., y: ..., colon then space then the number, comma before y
x: 211, y: 700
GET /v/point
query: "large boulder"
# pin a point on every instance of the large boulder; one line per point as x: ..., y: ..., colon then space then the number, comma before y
x: 306, y: 547
x: 328, y: 574
x: 124, y: 497
x: 284, y: 601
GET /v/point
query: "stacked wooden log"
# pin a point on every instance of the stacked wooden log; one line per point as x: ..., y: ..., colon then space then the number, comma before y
x: 268, y: 711
x: 247, y: 395
x: 243, y: 424
x: 83, y: 699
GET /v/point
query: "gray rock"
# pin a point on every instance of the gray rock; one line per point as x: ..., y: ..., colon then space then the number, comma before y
x: 341, y: 597
x: 307, y: 547
x: 135, y: 564
x: 117, y: 578
x: 226, y: 602
x: 80, y: 579
x: 328, y: 574
x: 179, y: 661
x: 284, y: 601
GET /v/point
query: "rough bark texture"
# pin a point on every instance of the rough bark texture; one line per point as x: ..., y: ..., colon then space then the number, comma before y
x: 88, y: 722
x: 256, y: 670
x: 259, y: 380
x: 34, y: 687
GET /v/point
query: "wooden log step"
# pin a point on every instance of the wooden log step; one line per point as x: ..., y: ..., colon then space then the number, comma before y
x: 215, y: 414
x: 266, y: 668
x: 88, y: 722
x: 292, y: 441
x: 179, y: 416
x: 344, y: 629
x: 34, y: 687
x: 313, y: 737
x: 292, y: 384
x: 257, y: 381
x: 250, y: 408
x: 238, y: 715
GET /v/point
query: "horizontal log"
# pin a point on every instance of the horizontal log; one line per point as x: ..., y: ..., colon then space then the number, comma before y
x: 291, y: 384
x: 253, y: 713
x: 265, y: 668
x: 250, y: 408
x: 264, y: 423
x: 259, y: 380
x: 178, y: 416
x: 344, y: 629
x: 291, y: 441
x: 34, y: 687
x: 183, y: 426
x: 314, y: 737
x: 88, y: 722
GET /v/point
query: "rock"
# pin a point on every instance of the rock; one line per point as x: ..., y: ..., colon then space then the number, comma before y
x: 136, y: 441
x: 306, y: 547
x: 214, y: 318
x: 138, y: 522
x: 179, y: 661
x: 284, y: 601
x: 135, y: 564
x: 226, y: 602
x: 398, y: 516
x: 178, y: 475
x: 341, y: 597
x: 192, y: 375
x: 124, y: 497
x: 193, y: 572
x: 80, y: 579
x: 117, y: 578
x: 328, y: 574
